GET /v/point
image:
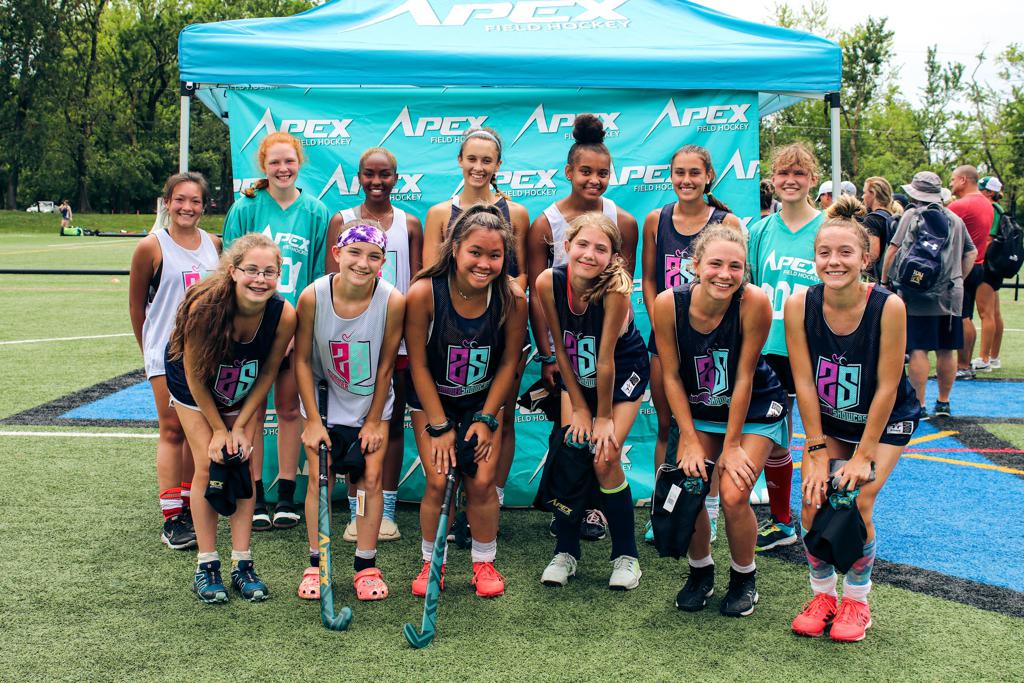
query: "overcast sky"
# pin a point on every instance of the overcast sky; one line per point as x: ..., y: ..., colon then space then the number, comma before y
x: 959, y: 34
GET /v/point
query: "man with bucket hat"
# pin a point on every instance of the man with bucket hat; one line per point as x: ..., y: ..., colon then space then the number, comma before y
x: 933, y: 314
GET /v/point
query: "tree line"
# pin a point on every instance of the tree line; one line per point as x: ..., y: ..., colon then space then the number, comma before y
x: 89, y: 103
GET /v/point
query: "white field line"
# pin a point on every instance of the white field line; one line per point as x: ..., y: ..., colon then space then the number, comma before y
x: 98, y: 435
x: 57, y: 339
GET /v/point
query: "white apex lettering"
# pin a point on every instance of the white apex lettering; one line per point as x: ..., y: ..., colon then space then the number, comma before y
x: 308, y: 128
x: 444, y: 125
x: 736, y: 166
x: 522, y: 12
x: 346, y: 187
x: 649, y: 175
x: 556, y: 121
x: 715, y: 114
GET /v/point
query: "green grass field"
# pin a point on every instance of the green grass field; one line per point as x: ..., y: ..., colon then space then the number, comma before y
x: 87, y: 592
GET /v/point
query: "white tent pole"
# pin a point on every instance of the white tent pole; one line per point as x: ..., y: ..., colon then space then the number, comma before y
x: 183, y: 128
x: 833, y: 102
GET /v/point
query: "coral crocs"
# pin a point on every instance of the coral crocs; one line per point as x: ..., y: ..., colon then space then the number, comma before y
x: 309, y: 587
x: 369, y: 584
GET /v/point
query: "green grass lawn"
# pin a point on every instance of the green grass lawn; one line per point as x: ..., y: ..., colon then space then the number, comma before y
x: 25, y: 223
x: 88, y: 592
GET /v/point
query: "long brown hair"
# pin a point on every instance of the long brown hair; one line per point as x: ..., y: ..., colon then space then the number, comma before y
x: 477, y: 217
x: 490, y: 135
x: 261, y: 158
x: 705, y: 157
x: 883, y: 194
x: 208, y: 310
x: 614, y: 278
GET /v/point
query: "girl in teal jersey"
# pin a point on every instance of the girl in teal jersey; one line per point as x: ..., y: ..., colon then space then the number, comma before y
x: 297, y: 222
x: 782, y: 264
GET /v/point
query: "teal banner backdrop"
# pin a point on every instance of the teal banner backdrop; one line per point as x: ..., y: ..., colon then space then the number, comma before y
x: 423, y: 128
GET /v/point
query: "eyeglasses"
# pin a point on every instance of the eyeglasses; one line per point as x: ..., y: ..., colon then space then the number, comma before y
x: 254, y: 272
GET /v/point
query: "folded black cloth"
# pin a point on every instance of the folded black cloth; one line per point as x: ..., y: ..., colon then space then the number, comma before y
x: 537, y: 397
x: 838, y: 532
x: 465, y: 455
x: 677, y: 501
x: 568, y: 483
x: 347, y: 457
x: 230, y: 482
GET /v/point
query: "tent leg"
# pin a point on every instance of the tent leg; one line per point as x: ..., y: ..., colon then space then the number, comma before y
x: 833, y: 103
x: 183, y: 127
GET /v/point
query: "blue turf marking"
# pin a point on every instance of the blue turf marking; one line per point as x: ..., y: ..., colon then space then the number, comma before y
x: 132, y: 403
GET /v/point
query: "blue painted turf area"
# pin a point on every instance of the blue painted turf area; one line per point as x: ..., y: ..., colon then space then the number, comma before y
x: 949, y: 518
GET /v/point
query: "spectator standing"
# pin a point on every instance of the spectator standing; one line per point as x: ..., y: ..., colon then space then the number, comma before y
x: 65, y: 215
x: 824, y: 197
x: 883, y: 216
x: 988, y: 297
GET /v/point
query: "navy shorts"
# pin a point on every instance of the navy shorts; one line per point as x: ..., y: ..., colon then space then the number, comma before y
x: 652, y: 345
x: 934, y: 333
x: 783, y: 370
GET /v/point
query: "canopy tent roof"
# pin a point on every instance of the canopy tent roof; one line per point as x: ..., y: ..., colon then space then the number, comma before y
x: 647, y: 44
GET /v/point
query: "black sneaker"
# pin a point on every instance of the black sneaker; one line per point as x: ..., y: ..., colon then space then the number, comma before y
x: 261, y: 518
x: 941, y: 409
x: 775, y: 534
x: 245, y: 581
x: 186, y: 518
x: 699, y: 586
x: 594, y: 526
x: 742, y: 595
x: 207, y: 584
x: 285, y: 515
x: 177, y: 535
x: 923, y: 415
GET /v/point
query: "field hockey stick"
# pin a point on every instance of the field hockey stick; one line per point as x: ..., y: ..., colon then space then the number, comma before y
x: 332, y: 621
x: 428, y: 629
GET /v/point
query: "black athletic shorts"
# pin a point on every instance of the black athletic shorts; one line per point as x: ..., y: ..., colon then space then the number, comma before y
x: 992, y: 280
x: 971, y: 282
x: 783, y: 370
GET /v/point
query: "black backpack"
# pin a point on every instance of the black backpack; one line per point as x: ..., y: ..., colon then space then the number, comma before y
x: 919, y: 263
x: 1005, y: 253
x: 891, y: 222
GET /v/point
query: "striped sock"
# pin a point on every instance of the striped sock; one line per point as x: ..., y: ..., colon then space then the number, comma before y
x: 170, y: 502
x: 823, y: 575
x: 186, y: 495
x: 390, y: 501
x: 857, y: 582
x: 711, y: 504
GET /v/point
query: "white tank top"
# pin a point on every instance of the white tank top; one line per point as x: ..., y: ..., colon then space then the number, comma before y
x: 179, y: 270
x: 346, y: 353
x: 559, y: 225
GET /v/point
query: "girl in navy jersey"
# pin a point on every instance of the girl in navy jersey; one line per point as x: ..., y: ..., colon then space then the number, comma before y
x: 378, y: 173
x: 605, y: 370
x: 464, y: 330
x: 669, y: 233
x: 727, y: 403
x: 855, y: 401
x: 350, y: 326
x: 479, y: 159
x: 164, y: 265
x: 229, y: 337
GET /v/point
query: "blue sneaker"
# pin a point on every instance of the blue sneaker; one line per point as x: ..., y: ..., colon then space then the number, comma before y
x: 245, y: 581
x: 207, y: 584
x: 648, y: 532
x: 774, y: 534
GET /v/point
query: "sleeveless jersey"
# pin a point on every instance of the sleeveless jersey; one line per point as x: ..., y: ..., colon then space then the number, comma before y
x: 673, y: 250
x: 235, y: 376
x: 180, y: 268
x: 782, y: 264
x: 396, y: 270
x: 346, y: 353
x: 463, y: 354
x: 708, y: 364
x: 300, y: 231
x: 846, y: 366
x: 581, y: 335
x: 559, y: 225
x: 501, y: 205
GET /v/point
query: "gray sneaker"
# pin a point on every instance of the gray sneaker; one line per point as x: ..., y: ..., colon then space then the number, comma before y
x: 625, y: 573
x: 561, y: 567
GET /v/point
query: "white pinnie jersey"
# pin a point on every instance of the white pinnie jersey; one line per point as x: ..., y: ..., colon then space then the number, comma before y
x: 180, y: 268
x: 559, y: 225
x: 397, y: 267
x: 346, y: 353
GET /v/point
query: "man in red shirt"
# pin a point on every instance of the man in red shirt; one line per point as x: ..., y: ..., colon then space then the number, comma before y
x: 976, y: 211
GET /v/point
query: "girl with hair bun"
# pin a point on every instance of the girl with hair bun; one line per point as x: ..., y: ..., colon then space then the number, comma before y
x: 297, y: 222
x: 846, y: 341
x: 229, y: 337
x: 727, y: 405
x: 378, y: 173
x: 588, y: 169
x: 464, y: 327
x: 604, y: 369
x: 669, y: 234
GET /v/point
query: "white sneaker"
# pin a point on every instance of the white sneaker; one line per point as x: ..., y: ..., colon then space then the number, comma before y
x: 350, y: 532
x: 994, y: 363
x: 388, y: 530
x: 559, y: 569
x: 625, y: 573
x: 978, y: 365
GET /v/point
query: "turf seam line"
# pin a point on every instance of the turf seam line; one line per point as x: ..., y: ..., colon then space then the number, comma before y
x: 57, y: 339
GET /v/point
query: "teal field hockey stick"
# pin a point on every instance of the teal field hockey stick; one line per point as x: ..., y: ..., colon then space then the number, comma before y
x: 332, y: 621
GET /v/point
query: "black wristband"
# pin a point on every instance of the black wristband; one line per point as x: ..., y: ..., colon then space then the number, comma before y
x: 816, y: 447
x: 441, y: 429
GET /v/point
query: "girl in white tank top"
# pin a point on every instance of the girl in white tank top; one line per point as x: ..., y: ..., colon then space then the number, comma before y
x: 350, y: 325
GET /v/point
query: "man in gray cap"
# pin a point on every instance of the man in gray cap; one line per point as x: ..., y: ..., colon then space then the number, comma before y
x: 933, y: 316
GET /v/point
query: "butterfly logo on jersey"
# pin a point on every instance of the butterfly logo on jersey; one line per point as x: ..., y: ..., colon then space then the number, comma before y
x: 234, y: 382
x: 467, y: 364
x: 838, y: 383
x: 677, y: 268
x: 712, y: 376
x: 352, y: 370
x: 582, y: 352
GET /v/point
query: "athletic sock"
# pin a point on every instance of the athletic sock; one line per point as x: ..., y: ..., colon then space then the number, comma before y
x: 239, y: 556
x: 261, y: 500
x: 390, y: 502
x: 484, y: 552
x: 857, y: 582
x: 823, y: 575
x: 186, y: 495
x: 353, y: 503
x: 567, y: 536
x: 618, y: 509
x: 170, y: 502
x: 364, y: 559
x: 427, y: 550
x: 285, y: 490
x: 501, y: 495
x: 743, y: 568
x: 778, y: 473
x: 314, y: 557
x: 711, y: 504
x: 203, y: 558
x: 701, y: 563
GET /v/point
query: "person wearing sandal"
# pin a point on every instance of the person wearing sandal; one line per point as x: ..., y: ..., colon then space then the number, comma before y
x: 350, y: 326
